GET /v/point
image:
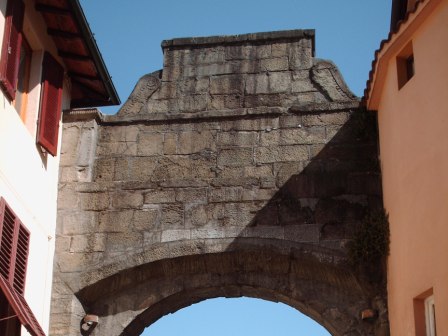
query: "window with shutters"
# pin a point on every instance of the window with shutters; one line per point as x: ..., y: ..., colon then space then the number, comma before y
x: 51, y: 104
x: 12, y: 43
x: 15, y: 71
x: 14, y: 247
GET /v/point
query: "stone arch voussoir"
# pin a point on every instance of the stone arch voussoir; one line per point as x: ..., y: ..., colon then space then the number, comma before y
x: 306, y: 277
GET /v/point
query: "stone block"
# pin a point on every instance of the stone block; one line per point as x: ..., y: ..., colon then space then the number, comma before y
x: 194, y: 85
x: 196, y: 141
x: 279, y: 49
x: 167, y: 90
x: 264, y: 171
x: 237, y: 139
x: 127, y: 200
x: 227, y: 84
x: 124, y: 241
x: 151, y: 238
x: 88, y: 243
x: 301, y: 82
x: 263, y: 51
x: 257, y: 194
x: 192, y: 103
x: 257, y: 83
x: 115, y: 221
x: 240, y: 52
x: 173, y: 235
x: 94, y: 201
x: 169, y: 143
x: 267, y: 182
x: 229, y: 194
x: 281, y: 154
x: 258, y: 100
x: 268, y: 232
x: 160, y: 196
x: 62, y: 243
x: 208, y: 55
x: 290, y: 121
x: 238, y: 214
x: 172, y: 216
x: 150, y: 144
x: 300, y: 55
x: 305, y: 233
x: 68, y: 198
x: 196, y: 215
x: 159, y: 105
x: 172, y: 73
x: 225, y: 102
x: 270, y: 138
x: 108, y: 149
x: 104, y: 169
x: 284, y: 171
x: 146, y: 219
x: 191, y: 195
x: 308, y: 135
x: 233, y: 181
x: 250, y: 124
x: 86, y: 149
x: 279, y: 82
x: 136, y: 169
x: 207, y: 233
x: 324, y: 119
x: 77, y: 223
x: 235, y: 157
x: 76, y: 262
x: 118, y: 133
x: 177, y: 168
x: 68, y: 174
x: 274, y: 64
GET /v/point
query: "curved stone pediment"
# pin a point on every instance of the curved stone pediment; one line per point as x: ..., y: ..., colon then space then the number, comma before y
x: 236, y: 75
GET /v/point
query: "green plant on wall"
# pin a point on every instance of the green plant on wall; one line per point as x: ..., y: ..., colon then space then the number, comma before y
x: 370, y: 244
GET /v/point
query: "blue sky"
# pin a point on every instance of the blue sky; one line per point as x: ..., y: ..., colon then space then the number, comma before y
x: 129, y: 34
x: 236, y: 317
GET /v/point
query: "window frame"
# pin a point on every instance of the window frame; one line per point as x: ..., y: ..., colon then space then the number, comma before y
x: 12, y: 42
x: 12, y: 282
x: 405, y: 65
x: 50, y: 104
x: 21, y: 103
x: 430, y: 316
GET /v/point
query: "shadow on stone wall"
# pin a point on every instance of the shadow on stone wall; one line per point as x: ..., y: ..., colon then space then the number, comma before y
x: 293, y: 249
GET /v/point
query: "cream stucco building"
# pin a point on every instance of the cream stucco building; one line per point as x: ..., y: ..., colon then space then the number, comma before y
x: 49, y: 62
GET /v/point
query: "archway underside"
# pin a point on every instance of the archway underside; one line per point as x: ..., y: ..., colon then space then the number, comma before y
x: 330, y: 294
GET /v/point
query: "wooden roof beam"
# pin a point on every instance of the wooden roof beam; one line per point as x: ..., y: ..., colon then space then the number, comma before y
x: 84, y: 76
x: 52, y: 10
x: 63, y: 34
x: 90, y: 89
x: 74, y: 57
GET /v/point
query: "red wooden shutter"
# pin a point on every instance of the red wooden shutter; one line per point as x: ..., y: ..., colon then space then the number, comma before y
x: 51, y: 104
x: 7, y: 240
x: 12, y: 41
x: 23, y: 243
x: 14, y: 246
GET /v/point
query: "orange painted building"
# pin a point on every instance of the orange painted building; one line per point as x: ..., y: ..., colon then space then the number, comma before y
x: 408, y: 86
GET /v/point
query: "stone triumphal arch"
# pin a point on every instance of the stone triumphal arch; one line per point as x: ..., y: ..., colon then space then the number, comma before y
x: 242, y: 168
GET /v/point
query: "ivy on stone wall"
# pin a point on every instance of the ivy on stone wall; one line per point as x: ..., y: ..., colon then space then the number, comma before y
x: 370, y: 244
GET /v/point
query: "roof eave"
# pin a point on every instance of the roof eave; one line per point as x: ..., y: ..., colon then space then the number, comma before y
x: 114, y: 99
x: 393, y: 44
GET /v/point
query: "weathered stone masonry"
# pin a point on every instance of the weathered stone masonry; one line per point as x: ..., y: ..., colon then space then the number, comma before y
x: 241, y: 168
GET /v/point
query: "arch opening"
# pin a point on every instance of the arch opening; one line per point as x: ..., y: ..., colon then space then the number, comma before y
x: 236, y: 316
x: 328, y: 293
